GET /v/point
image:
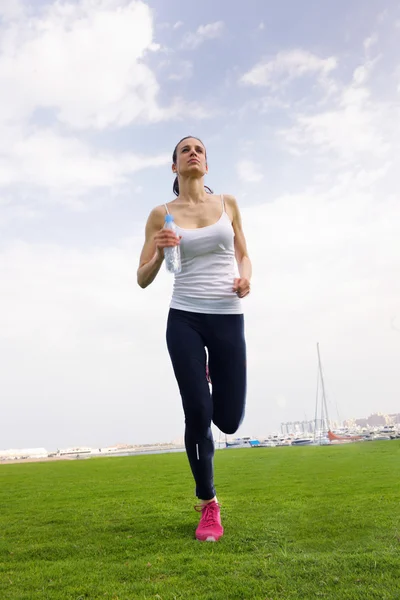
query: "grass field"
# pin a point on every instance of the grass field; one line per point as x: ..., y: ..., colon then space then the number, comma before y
x: 310, y: 522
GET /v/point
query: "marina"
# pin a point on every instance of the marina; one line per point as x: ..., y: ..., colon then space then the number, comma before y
x: 333, y: 437
x: 319, y: 432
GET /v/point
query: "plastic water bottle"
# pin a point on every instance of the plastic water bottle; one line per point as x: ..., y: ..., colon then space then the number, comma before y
x: 172, y: 255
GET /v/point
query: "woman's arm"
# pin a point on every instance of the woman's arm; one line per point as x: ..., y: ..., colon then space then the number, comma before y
x: 156, y: 239
x: 241, y: 285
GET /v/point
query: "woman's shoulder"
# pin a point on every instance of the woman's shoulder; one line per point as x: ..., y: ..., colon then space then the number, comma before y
x: 158, y: 212
x: 229, y: 198
x: 231, y: 202
x: 160, y: 209
x: 157, y: 215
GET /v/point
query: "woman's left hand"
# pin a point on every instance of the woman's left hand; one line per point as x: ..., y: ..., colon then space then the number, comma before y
x: 241, y: 286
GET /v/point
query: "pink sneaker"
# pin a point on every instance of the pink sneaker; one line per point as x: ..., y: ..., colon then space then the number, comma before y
x: 209, y: 528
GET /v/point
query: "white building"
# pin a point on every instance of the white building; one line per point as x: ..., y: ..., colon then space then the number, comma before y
x: 16, y: 453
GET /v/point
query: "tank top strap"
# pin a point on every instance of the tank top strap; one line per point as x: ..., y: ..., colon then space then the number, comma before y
x: 223, y: 203
x: 166, y: 209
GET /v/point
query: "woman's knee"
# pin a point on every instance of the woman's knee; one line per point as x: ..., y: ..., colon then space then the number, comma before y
x: 228, y: 424
x: 198, y: 418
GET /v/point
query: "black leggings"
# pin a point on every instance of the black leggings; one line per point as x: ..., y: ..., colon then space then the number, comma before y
x: 188, y: 334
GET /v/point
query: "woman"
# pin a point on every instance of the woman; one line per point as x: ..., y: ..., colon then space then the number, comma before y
x: 205, y: 313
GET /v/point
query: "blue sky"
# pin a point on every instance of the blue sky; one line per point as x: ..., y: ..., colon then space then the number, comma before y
x: 298, y: 105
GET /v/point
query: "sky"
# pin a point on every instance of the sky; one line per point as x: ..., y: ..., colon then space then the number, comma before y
x: 298, y: 105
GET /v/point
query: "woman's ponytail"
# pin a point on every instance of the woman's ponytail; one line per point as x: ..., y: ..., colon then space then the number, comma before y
x: 175, y: 187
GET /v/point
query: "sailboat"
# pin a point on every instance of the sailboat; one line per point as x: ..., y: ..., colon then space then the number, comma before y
x: 326, y: 434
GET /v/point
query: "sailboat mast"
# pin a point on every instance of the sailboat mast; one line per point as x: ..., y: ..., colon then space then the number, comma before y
x: 323, y: 388
x: 316, y: 407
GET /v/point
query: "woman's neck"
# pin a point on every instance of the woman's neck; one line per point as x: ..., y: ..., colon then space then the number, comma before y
x: 192, y: 190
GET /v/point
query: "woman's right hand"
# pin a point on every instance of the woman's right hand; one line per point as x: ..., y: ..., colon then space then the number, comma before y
x: 157, y: 238
x: 165, y: 238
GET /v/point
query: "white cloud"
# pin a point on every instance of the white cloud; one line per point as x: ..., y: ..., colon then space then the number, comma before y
x: 83, y: 345
x: 66, y: 164
x: 363, y: 72
x: 346, y: 132
x: 383, y: 15
x: 360, y: 75
x: 182, y: 70
x: 249, y: 172
x: 326, y: 258
x: 11, y: 9
x: 325, y: 268
x: 281, y: 401
x: 81, y: 66
x: 204, y: 32
x: 355, y: 125
x: 178, y: 24
x: 370, y: 41
x: 286, y: 66
x: 84, y: 61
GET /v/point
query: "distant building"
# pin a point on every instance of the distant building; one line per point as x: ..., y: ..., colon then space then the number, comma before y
x: 394, y: 419
x: 300, y: 427
x: 308, y: 427
x: 18, y: 453
x: 376, y: 420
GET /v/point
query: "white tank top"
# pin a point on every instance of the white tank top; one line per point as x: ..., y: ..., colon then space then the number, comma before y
x: 205, y: 282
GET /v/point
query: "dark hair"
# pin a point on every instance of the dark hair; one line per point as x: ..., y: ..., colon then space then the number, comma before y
x: 175, y: 187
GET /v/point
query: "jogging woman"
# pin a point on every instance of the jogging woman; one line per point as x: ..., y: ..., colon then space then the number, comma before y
x: 205, y: 314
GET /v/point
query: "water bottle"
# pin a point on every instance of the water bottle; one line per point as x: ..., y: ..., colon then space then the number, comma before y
x: 172, y: 255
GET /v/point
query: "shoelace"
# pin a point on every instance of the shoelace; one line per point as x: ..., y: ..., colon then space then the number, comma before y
x: 210, y: 511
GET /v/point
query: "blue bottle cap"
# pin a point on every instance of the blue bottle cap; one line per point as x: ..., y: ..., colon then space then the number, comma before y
x: 169, y: 218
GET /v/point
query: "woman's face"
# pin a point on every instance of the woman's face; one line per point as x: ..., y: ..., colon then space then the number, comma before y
x: 191, y: 158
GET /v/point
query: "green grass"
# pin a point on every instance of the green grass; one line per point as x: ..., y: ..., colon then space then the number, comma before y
x: 311, y: 522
